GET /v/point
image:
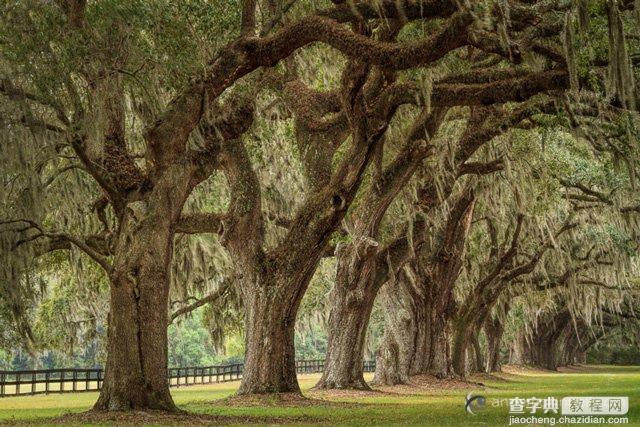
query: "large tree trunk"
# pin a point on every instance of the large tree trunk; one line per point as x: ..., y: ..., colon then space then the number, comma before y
x: 419, y: 327
x: 351, y: 301
x: 270, y: 314
x: 478, y: 356
x: 462, y: 337
x: 136, y: 368
x: 544, y: 344
x: 344, y: 362
x: 520, y: 350
x: 394, y: 356
x: 465, y: 340
x: 494, y: 329
x: 433, y: 349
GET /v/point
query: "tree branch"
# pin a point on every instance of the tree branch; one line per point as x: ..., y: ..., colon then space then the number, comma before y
x: 222, y: 290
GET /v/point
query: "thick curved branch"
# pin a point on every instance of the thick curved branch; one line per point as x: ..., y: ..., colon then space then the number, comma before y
x: 219, y: 293
x: 169, y: 134
x: 61, y: 241
x: 196, y: 223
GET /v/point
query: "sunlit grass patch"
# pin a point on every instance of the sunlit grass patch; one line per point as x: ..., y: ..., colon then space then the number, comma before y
x: 418, y: 407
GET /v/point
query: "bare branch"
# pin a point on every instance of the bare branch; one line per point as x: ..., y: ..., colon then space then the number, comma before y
x: 219, y: 293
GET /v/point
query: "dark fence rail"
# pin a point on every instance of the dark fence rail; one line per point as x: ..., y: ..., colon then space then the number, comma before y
x: 44, y: 381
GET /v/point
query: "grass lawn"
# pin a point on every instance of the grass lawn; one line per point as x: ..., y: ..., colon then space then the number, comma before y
x: 435, y: 404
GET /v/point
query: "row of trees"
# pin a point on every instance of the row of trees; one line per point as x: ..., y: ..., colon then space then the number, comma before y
x: 448, y: 156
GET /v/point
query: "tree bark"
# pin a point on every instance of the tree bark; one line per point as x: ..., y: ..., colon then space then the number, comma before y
x: 494, y: 329
x: 520, y: 350
x: 416, y: 339
x: 351, y: 304
x: 544, y: 344
x: 432, y: 353
x: 477, y: 352
x: 462, y: 337
x: 394, y: 356
x: 137, y: 354
x: 136, y: 367
x: 269, y: 365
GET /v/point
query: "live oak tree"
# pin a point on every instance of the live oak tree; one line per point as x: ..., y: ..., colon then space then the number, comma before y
x: 98, y: 62
x: 364, y: 264
x: 119, y: 114
x: 611, y: 144
x: 434, y: 274
x: 85, y: 92
x: 273, y: 281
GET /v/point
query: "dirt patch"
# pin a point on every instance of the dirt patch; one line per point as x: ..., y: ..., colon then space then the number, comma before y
x: 418, y: 384
x: 349, y: 394
x: 161, y: 418
x: 522, y: 369
x: 483, y: 376
x: 573, y: 369
x: 425, y: 382
x: 291, y: 400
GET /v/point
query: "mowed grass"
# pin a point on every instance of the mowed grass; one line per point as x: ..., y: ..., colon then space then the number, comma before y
x: 406, y: 406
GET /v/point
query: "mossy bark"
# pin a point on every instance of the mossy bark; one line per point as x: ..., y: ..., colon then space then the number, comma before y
x: 351, y: 301
x: 136, y: 367
x: 269, y: 365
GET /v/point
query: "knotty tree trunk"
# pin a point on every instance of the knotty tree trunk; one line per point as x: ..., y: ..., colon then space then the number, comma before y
x: 544, y: 342
x: 394, y: 355
x: 136, y: 367
x: 432, y: 353
x: 520, y: 350
x: 477, y: 352
x: 269, y: 364
x: 348, y: 321
x: 418, y: 338
x: 432, y: 299
x: 493, y: 329
x: 365, y: 265
x: 462, y: 339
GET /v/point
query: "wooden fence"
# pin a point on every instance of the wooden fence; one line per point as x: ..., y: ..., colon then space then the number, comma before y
x: 44, y: 381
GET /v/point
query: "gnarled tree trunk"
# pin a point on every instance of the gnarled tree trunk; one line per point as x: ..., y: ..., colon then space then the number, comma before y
x: 493, y: 329
x: 269, y: 364
x: 462, y: 338
x: 136, y: 368
x: 394, y: 356
x: 477, y: 352
x: 351, y: 302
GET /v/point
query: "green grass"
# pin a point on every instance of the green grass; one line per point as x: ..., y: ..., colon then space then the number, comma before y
x: 421, y: 407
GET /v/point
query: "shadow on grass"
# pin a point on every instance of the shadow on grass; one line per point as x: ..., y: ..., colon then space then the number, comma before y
x: 160, y: 418
x: 312, y: 398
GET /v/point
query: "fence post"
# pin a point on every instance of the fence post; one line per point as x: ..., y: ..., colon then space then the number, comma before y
x: 46, y: 382
x: 61, y: 380
x: 18, y: 383
x: 2, y: 380
x: 33, y: 382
